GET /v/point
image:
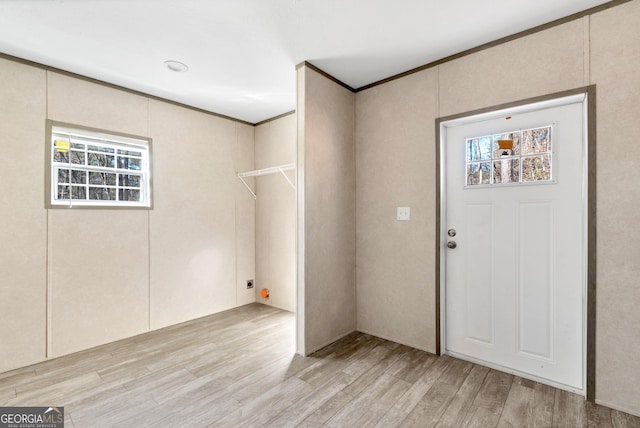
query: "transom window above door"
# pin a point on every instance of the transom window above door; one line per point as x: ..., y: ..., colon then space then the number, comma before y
x: 522, y: 156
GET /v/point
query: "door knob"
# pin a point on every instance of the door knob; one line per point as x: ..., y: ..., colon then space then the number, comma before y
x: 452, y: 244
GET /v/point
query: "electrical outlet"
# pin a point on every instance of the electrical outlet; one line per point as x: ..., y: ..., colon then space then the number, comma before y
x: 403, y: 214
x: 249, y: 284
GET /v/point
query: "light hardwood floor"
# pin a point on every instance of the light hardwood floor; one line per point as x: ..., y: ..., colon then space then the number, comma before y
x: 238, y: 368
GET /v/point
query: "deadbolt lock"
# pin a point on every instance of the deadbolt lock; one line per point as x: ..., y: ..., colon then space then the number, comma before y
x: 451, y: 232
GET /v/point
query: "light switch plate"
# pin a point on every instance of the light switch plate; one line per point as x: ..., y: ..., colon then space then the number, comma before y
x: 404, y: 214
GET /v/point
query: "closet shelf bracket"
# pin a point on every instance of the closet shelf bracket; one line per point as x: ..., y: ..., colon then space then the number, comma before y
x: 266, y: 171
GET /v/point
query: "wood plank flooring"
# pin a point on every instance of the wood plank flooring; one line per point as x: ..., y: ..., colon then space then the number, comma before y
x: 238, y: 368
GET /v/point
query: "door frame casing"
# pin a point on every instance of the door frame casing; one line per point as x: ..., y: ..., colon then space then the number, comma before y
x: 589, y: 131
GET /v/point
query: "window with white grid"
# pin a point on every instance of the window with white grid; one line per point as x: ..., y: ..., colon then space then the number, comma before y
x: 521, y: 156
x: 98, y: 169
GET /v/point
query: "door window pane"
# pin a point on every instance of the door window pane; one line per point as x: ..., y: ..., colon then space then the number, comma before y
x: 536, y: 141
x: 506, y: 171
x: 519, y: 156
x: 536, y: 168
x: 478, y: 173
x: 479, y: 148
x: 514, y: 137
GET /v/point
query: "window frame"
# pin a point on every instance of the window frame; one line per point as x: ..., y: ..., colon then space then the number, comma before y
x: 111, y: 139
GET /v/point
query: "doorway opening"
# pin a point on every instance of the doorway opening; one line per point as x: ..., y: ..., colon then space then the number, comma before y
x: 516, y: 239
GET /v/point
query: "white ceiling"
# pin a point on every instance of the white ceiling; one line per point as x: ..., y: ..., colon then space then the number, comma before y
x: 242, y: 53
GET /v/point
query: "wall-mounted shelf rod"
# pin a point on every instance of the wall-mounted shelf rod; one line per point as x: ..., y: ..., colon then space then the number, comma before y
x: 266, y: 171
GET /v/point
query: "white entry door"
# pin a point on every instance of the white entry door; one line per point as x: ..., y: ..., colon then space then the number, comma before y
x: 515, y: 281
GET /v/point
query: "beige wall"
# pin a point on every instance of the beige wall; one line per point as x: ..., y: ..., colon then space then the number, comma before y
x: 615, y: 60
x: 75, y: 278
x: 301, y: 112
x: 275, y: 145
x: 23, y: 222
x: 192, y: 225
x: 542, y: 63
x: 90, y: 300
x: 395, y: 138
x: 395, y: 161
x: 244, y: 153
x: 327, y: 196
